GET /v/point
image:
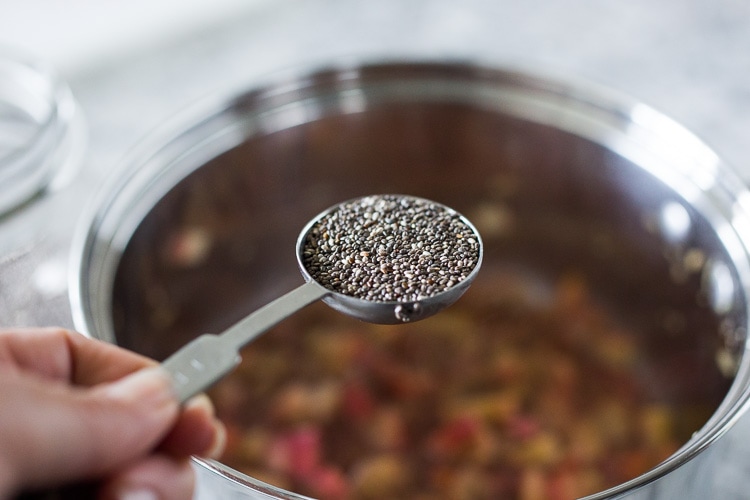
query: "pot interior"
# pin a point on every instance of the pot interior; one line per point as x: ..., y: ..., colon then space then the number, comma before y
x: 606, y: 297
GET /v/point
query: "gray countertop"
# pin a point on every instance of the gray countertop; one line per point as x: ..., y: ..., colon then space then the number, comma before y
x: 689, y: 59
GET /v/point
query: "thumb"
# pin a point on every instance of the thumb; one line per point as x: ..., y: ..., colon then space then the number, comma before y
x: 56, y: 433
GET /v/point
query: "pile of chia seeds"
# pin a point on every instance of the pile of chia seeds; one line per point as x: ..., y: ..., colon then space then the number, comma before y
x: 390, y: 248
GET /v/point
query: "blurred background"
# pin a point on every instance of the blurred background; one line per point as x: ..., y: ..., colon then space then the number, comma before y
x: 687, y: 58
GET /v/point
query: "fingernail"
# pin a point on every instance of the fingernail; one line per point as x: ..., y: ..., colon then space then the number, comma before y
x: 150, y: 386
x: 220, y: 440
x: 137, y: 493
x: 202, y: 402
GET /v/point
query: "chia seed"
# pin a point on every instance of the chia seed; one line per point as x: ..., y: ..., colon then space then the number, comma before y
x: 390, y: 248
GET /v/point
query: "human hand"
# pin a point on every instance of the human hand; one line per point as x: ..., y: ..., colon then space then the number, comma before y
x: 78, y: 409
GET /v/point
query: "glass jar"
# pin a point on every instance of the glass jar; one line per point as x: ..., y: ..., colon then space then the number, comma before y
x: 39, y: 126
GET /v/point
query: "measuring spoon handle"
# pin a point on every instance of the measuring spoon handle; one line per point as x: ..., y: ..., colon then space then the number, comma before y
x: 207, y: 358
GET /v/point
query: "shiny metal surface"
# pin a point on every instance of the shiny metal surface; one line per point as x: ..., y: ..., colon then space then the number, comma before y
x: 206, y: 359
x: 392, y: 312
x: 664, y: 177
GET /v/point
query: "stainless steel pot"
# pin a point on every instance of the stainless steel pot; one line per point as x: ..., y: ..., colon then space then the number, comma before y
x: 555, y: 173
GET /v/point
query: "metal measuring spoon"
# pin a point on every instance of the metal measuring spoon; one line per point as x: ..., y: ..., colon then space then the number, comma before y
x: 381, y: 259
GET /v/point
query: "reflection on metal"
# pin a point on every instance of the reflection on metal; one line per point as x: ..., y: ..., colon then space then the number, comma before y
x: 719, y: 287
x: 674, y: 222
x: 698, y: 164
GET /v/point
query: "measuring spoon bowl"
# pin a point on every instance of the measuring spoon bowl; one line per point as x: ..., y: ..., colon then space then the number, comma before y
x: 391, y: 311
